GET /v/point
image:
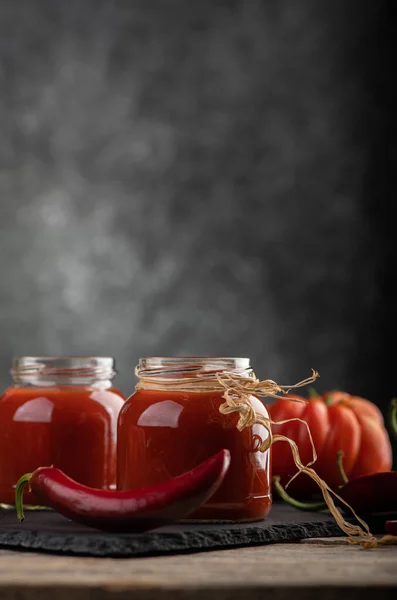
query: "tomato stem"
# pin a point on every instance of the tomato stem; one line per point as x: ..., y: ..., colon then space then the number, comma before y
x: 292, y: 501
x: 339, y: 463
x: 313, y: 393
x: 393, y: 417
x: 19, y: 495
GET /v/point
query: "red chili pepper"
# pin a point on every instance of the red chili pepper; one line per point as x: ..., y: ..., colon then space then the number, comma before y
x: 372, y: 493
x: 391, y: 527
x: 376, y: 493
x: 126, y: 511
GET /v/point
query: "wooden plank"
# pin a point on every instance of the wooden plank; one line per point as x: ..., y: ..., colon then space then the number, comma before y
x: 332, y: 565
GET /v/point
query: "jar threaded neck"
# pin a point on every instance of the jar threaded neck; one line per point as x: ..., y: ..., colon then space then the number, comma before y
x: 190, y: 366
x: 62, y: 370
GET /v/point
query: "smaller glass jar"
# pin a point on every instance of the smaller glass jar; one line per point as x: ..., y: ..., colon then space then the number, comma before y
x: 164, y: 431
x: 60, y: 411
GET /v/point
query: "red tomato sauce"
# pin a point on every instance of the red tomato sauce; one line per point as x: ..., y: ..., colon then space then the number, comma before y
x: 163, y: 434
x: 72, y: 427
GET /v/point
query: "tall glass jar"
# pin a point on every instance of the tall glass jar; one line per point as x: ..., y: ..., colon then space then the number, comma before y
x: 164, y: 431
x: 60, y: 411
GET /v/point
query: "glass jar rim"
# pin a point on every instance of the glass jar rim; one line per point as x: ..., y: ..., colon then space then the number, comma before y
x: 161, y: 365
x: 67, y: 369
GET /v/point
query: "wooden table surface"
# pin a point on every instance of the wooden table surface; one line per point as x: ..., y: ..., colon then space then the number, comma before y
x: 314, y: 569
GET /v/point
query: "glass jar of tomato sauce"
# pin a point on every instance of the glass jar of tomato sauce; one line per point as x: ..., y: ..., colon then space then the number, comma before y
x: 60, y: 411
x: 165, y: 430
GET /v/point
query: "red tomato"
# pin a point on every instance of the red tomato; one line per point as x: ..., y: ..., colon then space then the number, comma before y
x: 338, y: 422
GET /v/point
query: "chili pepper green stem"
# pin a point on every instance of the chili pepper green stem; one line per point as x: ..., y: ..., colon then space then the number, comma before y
x: 292, y: 501
x: 393, y: 417
x: 19, y: 495
x: 342, y: 473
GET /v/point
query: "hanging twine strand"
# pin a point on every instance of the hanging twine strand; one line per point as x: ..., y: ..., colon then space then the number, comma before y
x: 237, y: 391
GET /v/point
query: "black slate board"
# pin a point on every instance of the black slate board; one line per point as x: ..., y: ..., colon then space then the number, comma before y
x: 46, y: 531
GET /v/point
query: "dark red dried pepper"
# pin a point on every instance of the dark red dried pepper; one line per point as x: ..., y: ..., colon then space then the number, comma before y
x: 376, y: 493
x: 368, y: 494
x: 126, y: 511
x: 391, y: 527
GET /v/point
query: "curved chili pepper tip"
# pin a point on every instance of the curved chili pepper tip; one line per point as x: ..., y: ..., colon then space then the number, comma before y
x: 19, y: 495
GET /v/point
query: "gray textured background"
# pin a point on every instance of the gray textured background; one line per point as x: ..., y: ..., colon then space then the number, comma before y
x: 197, y: 178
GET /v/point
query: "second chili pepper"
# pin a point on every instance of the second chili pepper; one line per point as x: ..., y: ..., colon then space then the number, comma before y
x: 368, y: 494
x: 126, y: 511
x: 391, y: 527
x: 373, y: 493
